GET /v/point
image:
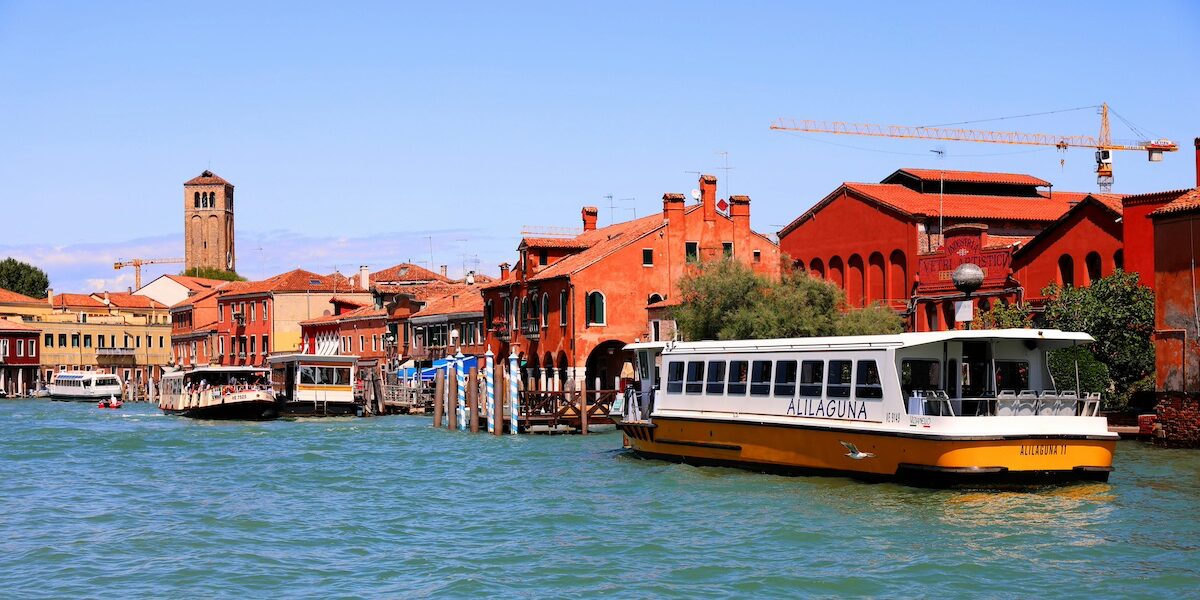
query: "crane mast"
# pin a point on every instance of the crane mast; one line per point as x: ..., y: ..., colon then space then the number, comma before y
x: 137, y: 263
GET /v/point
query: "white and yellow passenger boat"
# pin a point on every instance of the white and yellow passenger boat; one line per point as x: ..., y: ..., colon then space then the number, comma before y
x: 241, y: 393
x: 938, y: 408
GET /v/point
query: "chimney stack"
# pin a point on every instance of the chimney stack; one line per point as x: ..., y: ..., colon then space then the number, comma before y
x: 50, y: 296
x: 503, y: 271
x: 106, y: 300
x: 1197, y: 142
x: 739, y: 211
x: 673, y: 207
x: 589, y: 218
x: 444, y: 270
x: 708, y: 196
x: 364, y: 278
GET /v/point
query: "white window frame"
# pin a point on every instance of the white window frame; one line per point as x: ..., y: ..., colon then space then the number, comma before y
x: 588, y: 300
x: 21, y: 348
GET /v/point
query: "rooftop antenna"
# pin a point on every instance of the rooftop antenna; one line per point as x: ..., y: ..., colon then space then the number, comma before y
x: 941, y: 154
x: 430, y: 238
x: 725, y: 168
x: 611, y: 209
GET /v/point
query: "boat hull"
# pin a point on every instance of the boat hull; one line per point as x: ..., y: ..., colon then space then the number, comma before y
x: 256, y: 410
x: 884, y: 455
x: 305, y: 408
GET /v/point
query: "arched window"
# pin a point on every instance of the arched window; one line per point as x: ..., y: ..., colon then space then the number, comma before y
x: 1092, y: 262
x: 1119, y: 259
x: 595, y: 309
x: 654, y: 298
x: 562, y: 308
x: 487, y: 315
x: 816, y: 268
x: 897, y: 275
x: 1066, y: 271
x: 524, y: 310
x: 931, y: 317
x: 197, y: 200
x: 799, y: 266
x: 507, y: 309
x: 876, y: 288
x: 545, y: 309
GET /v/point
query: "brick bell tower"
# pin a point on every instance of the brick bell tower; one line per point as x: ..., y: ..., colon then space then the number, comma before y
x: 208, y: 223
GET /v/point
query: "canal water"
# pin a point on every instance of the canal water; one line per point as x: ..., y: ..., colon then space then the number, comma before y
x: 131, y: 503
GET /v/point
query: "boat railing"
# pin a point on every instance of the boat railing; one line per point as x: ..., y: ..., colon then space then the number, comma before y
x: 1006, y: 403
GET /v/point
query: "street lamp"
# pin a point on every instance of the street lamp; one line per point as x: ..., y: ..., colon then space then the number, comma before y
x: 967, y: 278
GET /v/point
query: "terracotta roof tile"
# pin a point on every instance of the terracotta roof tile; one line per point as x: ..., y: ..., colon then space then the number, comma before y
x: 206, y: 178
x: 1152, y: 197
x: 405, y: 272
x: 423, y: 291
x: 1187, y: 202
x: 196, y: 284
x: 11, y: 296
x: 226, y: 287
x: 1044, y: 207
x: 297, y: 280
x: 7, y: 325
x: 565, y: 243
x: 365, y: 312
x: 350, y: 301
x: 469, y: 301
x: 1004, y: 241
x: 971, y: 177
x: 127, y: 300
x: 76, y: 301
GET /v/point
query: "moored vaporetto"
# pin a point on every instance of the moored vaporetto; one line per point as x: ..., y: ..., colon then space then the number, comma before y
x: 938, y: 408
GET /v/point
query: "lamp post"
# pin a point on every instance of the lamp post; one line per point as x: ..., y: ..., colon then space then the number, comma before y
x: 967, y: 278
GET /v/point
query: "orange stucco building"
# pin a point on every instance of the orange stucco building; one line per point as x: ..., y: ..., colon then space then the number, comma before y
x: 571, y: 303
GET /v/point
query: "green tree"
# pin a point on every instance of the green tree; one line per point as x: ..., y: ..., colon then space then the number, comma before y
x: 23, y: 278
x: 1119, y: 313
x: 725, y: 300
x: 872, y: 320
x: 211, y: 273
x: 1093, y: 374
x: 1004, y: 316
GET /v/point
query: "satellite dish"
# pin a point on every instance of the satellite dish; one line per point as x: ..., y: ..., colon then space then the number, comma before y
x: 470, y: 277
x: 696, y: 195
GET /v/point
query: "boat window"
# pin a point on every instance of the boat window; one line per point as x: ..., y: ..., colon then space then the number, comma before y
x: 785, y: 378
x: 674, y: 377
x: 839, y: 379
x: 308, y: 375
x: 716, y: 377
x: 760, y: 378
x: 1012, y: 375
x: 644, y: 365
x: 695, y: 377
x: 739, y: 374
x: 920, y: 375
x: 867, y: 384
x: 812, y: 374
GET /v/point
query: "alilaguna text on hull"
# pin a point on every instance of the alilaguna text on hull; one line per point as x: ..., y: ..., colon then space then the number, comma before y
x: 936, y: 408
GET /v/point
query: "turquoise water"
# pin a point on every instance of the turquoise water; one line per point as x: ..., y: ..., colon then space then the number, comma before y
x: 133, y: 503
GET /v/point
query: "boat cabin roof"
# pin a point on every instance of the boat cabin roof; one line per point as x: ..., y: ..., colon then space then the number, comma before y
x: 202, y: 370
x: 1054, y: 337
x: 325, y: 359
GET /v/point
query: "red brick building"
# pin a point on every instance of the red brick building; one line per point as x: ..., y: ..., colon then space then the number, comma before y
x: 571, y: 303
x: 924, y: 223
x: 448, y: 325
x: 19, y: 355
x: 194, y: 326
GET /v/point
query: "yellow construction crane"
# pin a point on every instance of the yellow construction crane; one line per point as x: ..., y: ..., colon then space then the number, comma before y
x: 1102, y: 144
x: 137, y: 263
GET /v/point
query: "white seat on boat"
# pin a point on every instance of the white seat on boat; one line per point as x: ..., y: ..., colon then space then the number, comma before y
x: 1006, y: 407
x: 1007, y: 394
x: 1027, y: 405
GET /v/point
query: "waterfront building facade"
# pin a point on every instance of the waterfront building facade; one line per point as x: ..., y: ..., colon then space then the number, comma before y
x: 924, y: 223
x: 571, y: 304
x: 19, y: 356
x: 448, y: 325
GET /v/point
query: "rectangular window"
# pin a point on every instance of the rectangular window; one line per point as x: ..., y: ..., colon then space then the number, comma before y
x: 785, y: 378
x: 647, y: 257
x: 264, y: 310
x: 220, y: 346
x: 757, y: 256
x: 137, y: 341
x: 543, y: 257
x: 866, y: 380
x: 839, y: 379
x: 695, y: 377
x: 112, y: 341
x: 252, y: 312
x: 562, y: 308
x: 20, y: 347
x: 62, y: 340
x: 99, y: 341
x: 812, y: 375
x: 674, y: 377
x: 49, y: 340
x: 760, y: 378
x: 920, y: 375
x: 87, y: 341
x: 33, y: 348
x: 362, y: 345
x: 266, y: 346
x: 252, y: 340
x: 739, y: 375
x: 1012, y: 375
x: 692, y: 251
x: 716, y: 377
x: 221, y: 313
x: 74, y: 340
x: 727, y: 249
x: 160, y: 341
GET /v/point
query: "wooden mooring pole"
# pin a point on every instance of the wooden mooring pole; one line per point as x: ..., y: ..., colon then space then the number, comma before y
x: 583, y: 408
x: 439, y: 392
x: 473, y: 398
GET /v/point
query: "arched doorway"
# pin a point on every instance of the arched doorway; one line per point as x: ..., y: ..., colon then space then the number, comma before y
x: 606, y: 362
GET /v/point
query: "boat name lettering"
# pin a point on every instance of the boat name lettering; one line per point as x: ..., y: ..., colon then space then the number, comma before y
x: 1043, y: 450
x: 919, y: 421
x: 895, y: 417
x: 828, y: 409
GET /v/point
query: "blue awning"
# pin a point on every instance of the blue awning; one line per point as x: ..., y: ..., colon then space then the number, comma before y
x: 427, y: 374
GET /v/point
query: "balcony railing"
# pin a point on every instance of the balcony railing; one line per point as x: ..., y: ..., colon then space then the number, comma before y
x: 501, y: 331
x: 116, y: 352
x: 531, y: 330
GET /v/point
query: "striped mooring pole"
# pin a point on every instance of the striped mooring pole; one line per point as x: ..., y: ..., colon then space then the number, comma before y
x: 490, y: 386
x: 514, y: 402
x: 462, y: 390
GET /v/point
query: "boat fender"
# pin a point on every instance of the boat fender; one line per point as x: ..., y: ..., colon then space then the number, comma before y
x: 227, y: 390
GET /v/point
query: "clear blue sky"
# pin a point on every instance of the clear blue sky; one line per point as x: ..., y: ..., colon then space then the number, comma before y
x: 354, y: 131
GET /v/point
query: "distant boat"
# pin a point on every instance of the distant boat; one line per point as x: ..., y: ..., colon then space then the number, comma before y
x: 235, y: 393
x: 110, y: 402
x: 84, y: 386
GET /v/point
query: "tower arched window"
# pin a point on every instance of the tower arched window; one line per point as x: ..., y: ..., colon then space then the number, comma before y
x: 196, y: 200
x: 595, y: 309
